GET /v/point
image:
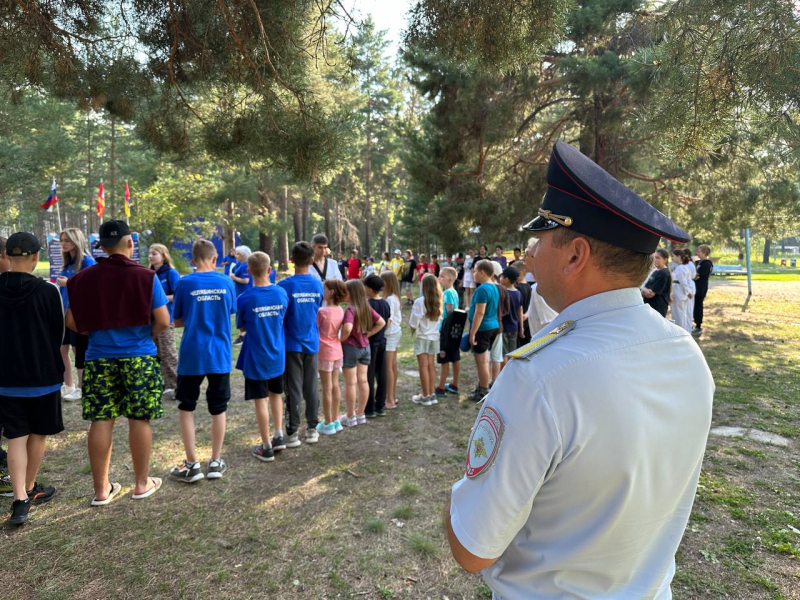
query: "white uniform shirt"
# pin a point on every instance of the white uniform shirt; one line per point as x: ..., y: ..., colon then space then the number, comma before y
x: 331, y: 270
x: 539, y: 313
x: 593, y: 480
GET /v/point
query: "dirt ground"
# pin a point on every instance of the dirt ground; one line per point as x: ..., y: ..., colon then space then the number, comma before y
x: 359, y: 514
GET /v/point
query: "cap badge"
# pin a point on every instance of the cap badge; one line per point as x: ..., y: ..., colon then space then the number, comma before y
x: 560, y: 219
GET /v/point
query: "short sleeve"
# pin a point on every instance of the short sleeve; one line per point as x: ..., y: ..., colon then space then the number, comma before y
x: 489, y: 509
x: 375, y: 316
x: 159, y: 297
x: 239, y: 312
x: 416, y: 315
x: 174, y: 278
x: 232, y: 294
x: 349, y: 315
x: 177, y: 301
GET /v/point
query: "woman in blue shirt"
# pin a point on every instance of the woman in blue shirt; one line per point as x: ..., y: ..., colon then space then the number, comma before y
x: 161, y: 263
x: 74, y: 258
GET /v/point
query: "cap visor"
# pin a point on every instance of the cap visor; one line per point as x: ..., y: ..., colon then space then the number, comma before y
x: 540, y: 224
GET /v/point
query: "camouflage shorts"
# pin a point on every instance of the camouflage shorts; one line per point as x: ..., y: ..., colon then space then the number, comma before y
x: 122, y: 387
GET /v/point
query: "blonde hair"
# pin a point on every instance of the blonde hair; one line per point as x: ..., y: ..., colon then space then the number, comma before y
x: 705, y: 249
x: 164, y: 252
x: 258, y: 264
x: 450, y: 272
x: 432, y: 294
x: 391, y: 285
x: 203, y: 249
x: 358, y: 300
x: 79, y: 241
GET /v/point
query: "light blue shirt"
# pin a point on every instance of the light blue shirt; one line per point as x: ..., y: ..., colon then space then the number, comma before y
x: 612, y: 453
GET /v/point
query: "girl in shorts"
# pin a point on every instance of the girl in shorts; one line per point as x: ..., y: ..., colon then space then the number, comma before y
x: 360, y: 322
x: 329, y: 359
x: 424, y: 321
x: 391, y: 293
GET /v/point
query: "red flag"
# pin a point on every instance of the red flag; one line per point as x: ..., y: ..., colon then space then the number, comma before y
x: 101, y: 201
x: 52, y: 199
x: 127, y: 200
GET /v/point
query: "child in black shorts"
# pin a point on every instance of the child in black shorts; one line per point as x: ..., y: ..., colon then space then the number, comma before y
x: 32, y: 373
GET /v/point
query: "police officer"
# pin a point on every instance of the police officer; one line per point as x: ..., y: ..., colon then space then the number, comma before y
x: 584, y: 459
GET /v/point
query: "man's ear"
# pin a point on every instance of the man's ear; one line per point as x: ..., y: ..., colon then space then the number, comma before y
x: 580, y: 255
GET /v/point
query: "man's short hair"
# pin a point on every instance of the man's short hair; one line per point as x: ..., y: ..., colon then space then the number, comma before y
x: 203, y: 249
x: 120, y: 245
x: 258, y: 264
x: 320, y: 238
x: 374, y: 282
x: 302, y: 254
x: 517, y: 250
x: 449, y: 272
x: 498, y: 246
x: 485, y: 266
x: 704, y: 248
x: 634, y: 266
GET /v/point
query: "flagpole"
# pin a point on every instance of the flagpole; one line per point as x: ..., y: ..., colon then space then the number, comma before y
x: 127, y: 207
x: 58, y: 210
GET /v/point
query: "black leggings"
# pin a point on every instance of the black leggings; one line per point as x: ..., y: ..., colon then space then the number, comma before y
x: 699, y: 297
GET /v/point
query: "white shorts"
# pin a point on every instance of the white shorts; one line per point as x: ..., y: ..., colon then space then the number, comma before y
x: 496, y: 352
x: 426, y: 347
x: 393, y: 340
x: 469, y: 285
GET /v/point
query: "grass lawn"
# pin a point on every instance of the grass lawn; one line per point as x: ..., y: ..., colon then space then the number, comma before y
x: 359, y: 515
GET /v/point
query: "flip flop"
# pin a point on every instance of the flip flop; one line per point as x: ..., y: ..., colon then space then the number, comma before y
x: 115, y: 489
x: 156, y: 485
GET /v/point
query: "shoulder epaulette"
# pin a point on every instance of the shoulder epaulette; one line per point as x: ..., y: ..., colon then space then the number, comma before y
x: 536, y: 345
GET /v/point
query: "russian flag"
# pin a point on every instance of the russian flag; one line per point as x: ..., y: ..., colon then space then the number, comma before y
x: 52, y: 199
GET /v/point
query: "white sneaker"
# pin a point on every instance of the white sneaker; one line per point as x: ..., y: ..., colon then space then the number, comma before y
x: 75, y: 395
x: 312, y: 437
x: 66, y: 390
x: 169, y: 394
x: 430, y: 400
x: 418, y: 398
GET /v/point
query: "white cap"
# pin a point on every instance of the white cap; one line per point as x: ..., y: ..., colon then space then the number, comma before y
x: 397, y: 252
x: 498, y: 269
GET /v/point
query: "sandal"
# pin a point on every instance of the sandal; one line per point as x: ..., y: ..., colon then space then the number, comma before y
x: 115, y: 489
x: 156, y: 486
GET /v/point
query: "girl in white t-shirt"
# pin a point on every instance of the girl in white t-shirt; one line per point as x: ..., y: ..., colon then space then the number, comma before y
x: 391, y: 293
x: 682, y: 293
x: 424, y: 321
x: 468, y: 282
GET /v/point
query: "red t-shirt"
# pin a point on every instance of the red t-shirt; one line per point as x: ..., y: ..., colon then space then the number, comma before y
x: 353, y: 268
x: 422, y: 268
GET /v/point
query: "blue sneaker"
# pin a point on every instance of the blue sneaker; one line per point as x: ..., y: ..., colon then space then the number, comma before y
x: 320, y: 425
x: 329, y: 429
x: 338, y: 424
x: 451, y: 389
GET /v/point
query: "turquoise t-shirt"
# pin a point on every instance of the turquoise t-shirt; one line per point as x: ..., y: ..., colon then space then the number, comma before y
x: 450, y: 297
x: 487, y: 293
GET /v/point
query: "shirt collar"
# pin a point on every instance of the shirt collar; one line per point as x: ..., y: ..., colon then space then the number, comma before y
x: 600, y: 303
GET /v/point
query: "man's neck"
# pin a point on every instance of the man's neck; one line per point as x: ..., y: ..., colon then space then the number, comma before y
x: 301, y: 270
x: 319, y: 259
x: 261, y: 281
x: 23, y: 268
x: 205, y: 267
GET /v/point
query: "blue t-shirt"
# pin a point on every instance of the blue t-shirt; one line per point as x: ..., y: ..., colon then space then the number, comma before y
x: 126, y: 342
x: 29, y: 392
x: 169, y: 279
x: 300, y: 324
x: 205, y: 302
x: 450, y: 297
x: 272, y: 275
x: 240, y: 270
x: 68, y: 271
x: 229, y: 263
x: 261, y: 311
x: 487, y: 293
x: 511, y: 320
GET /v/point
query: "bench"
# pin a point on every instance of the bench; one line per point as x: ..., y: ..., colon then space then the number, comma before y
x: 729, y: 270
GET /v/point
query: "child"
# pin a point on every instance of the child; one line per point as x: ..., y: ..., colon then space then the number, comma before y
x: 203, y: 304
x: 229, y: 262
x: 302, y: 345
x: 484, y: 326
x: 424, y: 321
x: 30, y: 379
x: 692, y: 278
x: 74, y: 258
x: 369, y: 268
x: 329, y: 359
x: 513, y: 327
x: 525, y: 289
x: 448, y: 353
x: 360, y: 322
x: 496, y: 352
x: 704, y: 269
x: 681, y: 290
x: 376, y: 404
x: 161, y: 263
x: 391, y: 293
x: 260, y: 312
x: 240, y: 276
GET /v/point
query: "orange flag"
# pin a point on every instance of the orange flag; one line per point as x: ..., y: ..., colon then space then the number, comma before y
x: 101, y: 201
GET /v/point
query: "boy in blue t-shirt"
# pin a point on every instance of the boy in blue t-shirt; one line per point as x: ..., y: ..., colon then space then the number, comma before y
x: 229, y: 262
x: 484, y: 327
x: 302, y: 345
x: 259, y: 317
x: 203, y: 304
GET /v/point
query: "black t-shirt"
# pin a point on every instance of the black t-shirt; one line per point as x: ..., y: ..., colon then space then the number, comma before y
x: 409, y: 268
x: 343, y: 268
x: 383, y: 309
x: 704, y: 269
x: 660, y: 282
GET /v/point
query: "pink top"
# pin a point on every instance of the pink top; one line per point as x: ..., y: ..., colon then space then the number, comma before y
x: 358, y: 338
x: 329, y: 321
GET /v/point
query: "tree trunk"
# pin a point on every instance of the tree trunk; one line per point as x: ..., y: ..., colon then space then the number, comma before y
x: 767, y: 247
x: 306, y: 215
x: 283, y: 238
x: 265, y: 236
x: 229, y: 233
x: 297, y: 219
x: 368, y: 186
x: 388, y: 232
x: 89, y: 174
x: 113, y: 195
x: 326, y: 212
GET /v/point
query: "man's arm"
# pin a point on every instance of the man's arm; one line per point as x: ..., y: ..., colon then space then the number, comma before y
x: 468, y: 561
x: 477, y: 319
x: 160, y: 320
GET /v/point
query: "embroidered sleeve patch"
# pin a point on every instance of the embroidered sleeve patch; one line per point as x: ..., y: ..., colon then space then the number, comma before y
x: 484, y: 442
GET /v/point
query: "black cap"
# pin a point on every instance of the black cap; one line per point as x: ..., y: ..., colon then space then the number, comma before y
x: 584, y: 197
x: 22, y: 243
x: 111, y: 232
x: 511, y: 274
